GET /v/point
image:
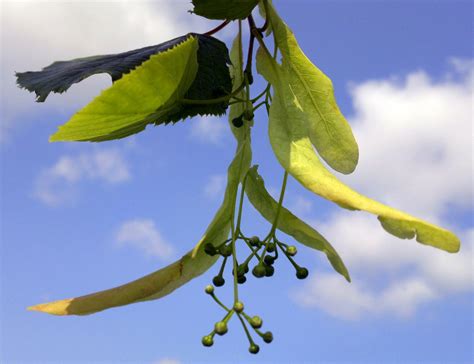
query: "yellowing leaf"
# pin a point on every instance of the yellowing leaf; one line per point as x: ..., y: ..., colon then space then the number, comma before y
x: 137, y: 99
x: 289, y: 223
x: 152, y: 286
x: 328, y: 130
x: 291, y: 145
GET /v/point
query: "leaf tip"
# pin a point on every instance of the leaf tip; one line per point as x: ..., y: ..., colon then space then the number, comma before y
x: 59, y: 308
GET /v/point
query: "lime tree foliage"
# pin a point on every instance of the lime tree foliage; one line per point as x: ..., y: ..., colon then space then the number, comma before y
x: 197, y: 75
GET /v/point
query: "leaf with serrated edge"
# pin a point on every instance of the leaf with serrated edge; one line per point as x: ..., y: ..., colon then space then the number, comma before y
x: 293, y: 149
x: 328, y: 130
x: 289, y: 223
x: 137, y: 99
x: 224, y: 9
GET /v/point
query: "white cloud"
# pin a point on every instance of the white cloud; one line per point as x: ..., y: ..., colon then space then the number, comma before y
x: 415, y: 140
x: 168, y: 361
x: 36, y: 33
x: 300, y: 206
x: 209, y: 129
x: 142, y: 234
x: 215, y: 186
x: 57, y: 184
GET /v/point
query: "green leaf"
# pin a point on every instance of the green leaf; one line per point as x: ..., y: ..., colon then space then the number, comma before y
x: 289, y: 223
x: 224, y: 9
x: 152, y: 286
x: 328, y: 130
x: 292, y: 147
x: 140, y: 97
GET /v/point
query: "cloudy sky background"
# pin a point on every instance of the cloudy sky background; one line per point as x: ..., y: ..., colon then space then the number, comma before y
x: 81, y: 217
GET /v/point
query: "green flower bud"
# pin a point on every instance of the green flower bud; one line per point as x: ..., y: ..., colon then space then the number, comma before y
x: 238, y: 307
x: 238, y: 121
x: 301, y: 273
x: 254, y: 241
x: 291, y: 250
x: 259, y: 271
x: 218, y: 281
x: 256, y: 322
x: 220, y: 328
x: 254, y: 349
x: 267, y: 337
x: 241, y: 279
x: 269, y: 260
x: 269, y: 270
x: 209, y: 249
x: 270, y: 247
x: 207, y: 340
x: 225, y: 250
x: 209, y: 289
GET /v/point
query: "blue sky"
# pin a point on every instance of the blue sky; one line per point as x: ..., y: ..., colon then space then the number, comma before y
x: 77, y: 218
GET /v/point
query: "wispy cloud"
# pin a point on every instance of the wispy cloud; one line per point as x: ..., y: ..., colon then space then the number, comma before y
x: 415, y: 141
x: 208, y: 129
x: 58, y: 184
x: 215, y: 186
x: 143, y: 235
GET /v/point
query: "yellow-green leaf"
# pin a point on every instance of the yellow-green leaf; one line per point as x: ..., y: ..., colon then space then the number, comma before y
x: 328, y: 130
x: 152, y: 286
x: 289, y: 223
x: 137, y: 99
x: 291, y: 145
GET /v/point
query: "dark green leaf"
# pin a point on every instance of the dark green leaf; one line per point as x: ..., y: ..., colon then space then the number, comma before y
x: 224, y: 9
x: 212, y: 79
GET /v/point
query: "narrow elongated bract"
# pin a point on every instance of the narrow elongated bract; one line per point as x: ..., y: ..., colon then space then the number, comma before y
x: 328, y: 130
x: 292, y: 147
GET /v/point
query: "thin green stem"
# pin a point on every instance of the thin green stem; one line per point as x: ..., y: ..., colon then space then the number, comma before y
x: 219, y: 302
x: 249, y: 337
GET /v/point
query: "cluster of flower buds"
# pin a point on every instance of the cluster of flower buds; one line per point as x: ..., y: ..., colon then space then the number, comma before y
x: 220, y: 327
x: 265, y: 252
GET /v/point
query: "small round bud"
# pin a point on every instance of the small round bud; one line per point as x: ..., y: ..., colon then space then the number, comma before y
x: 220, y: 328
x: 209, y: 249
x: 207, y: 340
x: 269, y: 270
x: 259, y: 271
x: 254, y: 349
x: 270, y: 247
x: 256, y: 322
x: 225, y: 250
x: 267, y: 337
x: 291, y: 250
x: 254, y: 241
x: 209, y: 289
x: 238, y: 307
x: 301, y: 273
x: 241, y: 279
x: 238, y: 121
x: 218, y: 281
x: 269, y: 260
